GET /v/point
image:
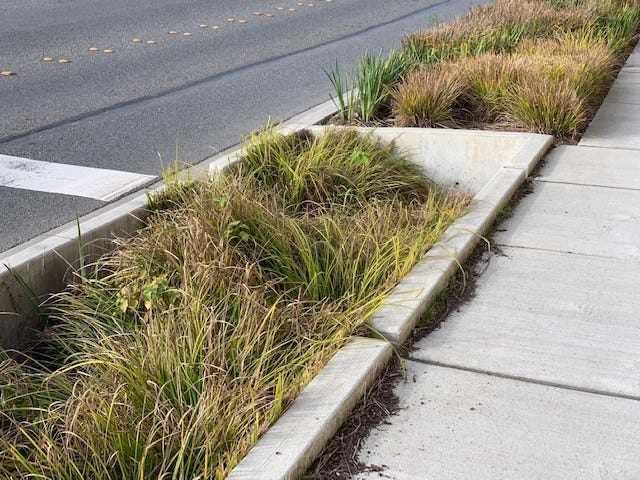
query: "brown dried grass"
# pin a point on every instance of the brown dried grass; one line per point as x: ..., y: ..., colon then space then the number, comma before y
x: 427, y: 97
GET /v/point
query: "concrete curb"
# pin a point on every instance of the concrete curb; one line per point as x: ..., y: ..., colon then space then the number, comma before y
x: 402, y: 309
x: 398, y: 315
x: 291, y: 444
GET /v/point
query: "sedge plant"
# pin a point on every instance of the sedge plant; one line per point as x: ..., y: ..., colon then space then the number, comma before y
x: 189, y: 340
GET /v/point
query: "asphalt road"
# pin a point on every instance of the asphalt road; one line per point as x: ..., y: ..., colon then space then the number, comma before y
x: 197, y: 94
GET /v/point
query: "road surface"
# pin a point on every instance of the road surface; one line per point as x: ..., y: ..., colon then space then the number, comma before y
x: 198, y: 76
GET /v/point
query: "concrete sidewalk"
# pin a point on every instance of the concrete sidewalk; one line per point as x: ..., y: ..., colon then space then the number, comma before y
x: 538, y: 376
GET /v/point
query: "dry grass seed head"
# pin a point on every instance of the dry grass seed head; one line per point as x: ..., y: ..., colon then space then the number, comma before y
x: 543, y: 106
x: 427, y: 97
x: 490, y: 76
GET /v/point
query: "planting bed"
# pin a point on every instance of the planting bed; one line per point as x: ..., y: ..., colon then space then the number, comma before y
x: 172, y: 355
x: 534, y: 65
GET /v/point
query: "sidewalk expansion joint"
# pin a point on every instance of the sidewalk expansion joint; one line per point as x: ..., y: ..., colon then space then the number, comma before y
x: 589, y: 255
x: 518, y: 378
x: 544, y: 180
x: 606, y: 147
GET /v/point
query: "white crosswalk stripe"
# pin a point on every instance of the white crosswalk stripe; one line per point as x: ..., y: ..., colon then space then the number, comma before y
x: 97, y: 183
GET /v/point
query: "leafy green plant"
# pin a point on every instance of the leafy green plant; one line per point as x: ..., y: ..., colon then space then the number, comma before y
x: 343, y: 87
x: 374, y: 80
x: 367, y: 92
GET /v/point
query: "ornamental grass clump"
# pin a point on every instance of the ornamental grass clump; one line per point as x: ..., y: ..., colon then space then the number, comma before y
x: 580, y: 57
x: 497, y: 27
x: 489, y: 77
x: 508, y: 58
x: 545, y: 107
x: 429, y: 97
x: 545, y: 86
x: 178, y: 351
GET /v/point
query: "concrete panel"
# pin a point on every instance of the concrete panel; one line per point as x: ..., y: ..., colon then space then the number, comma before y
x: 293, y: 442
x: 558, y: 318
x: 625, y: 88
x: 578, y: 219
x: 457, y: 425
x: 605, y: 167
x: 615, y: 125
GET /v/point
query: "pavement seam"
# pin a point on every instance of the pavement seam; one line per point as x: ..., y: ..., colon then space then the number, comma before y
x: 590, y: 255
x: 606, y: 147
x: 518, y: 378
x: 543, y: 180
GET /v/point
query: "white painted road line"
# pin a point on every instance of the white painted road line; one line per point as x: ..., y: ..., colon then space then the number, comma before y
x: 74, y: 180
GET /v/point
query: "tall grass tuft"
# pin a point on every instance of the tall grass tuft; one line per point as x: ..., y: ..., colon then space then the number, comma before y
x: 428, y: 97
x: 365, y: 94
x: 183, y: 346
x: 344, y: 99
x: 546, y: 107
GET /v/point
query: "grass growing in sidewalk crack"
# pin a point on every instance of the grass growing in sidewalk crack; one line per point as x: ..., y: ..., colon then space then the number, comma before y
x: 171, y: 356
